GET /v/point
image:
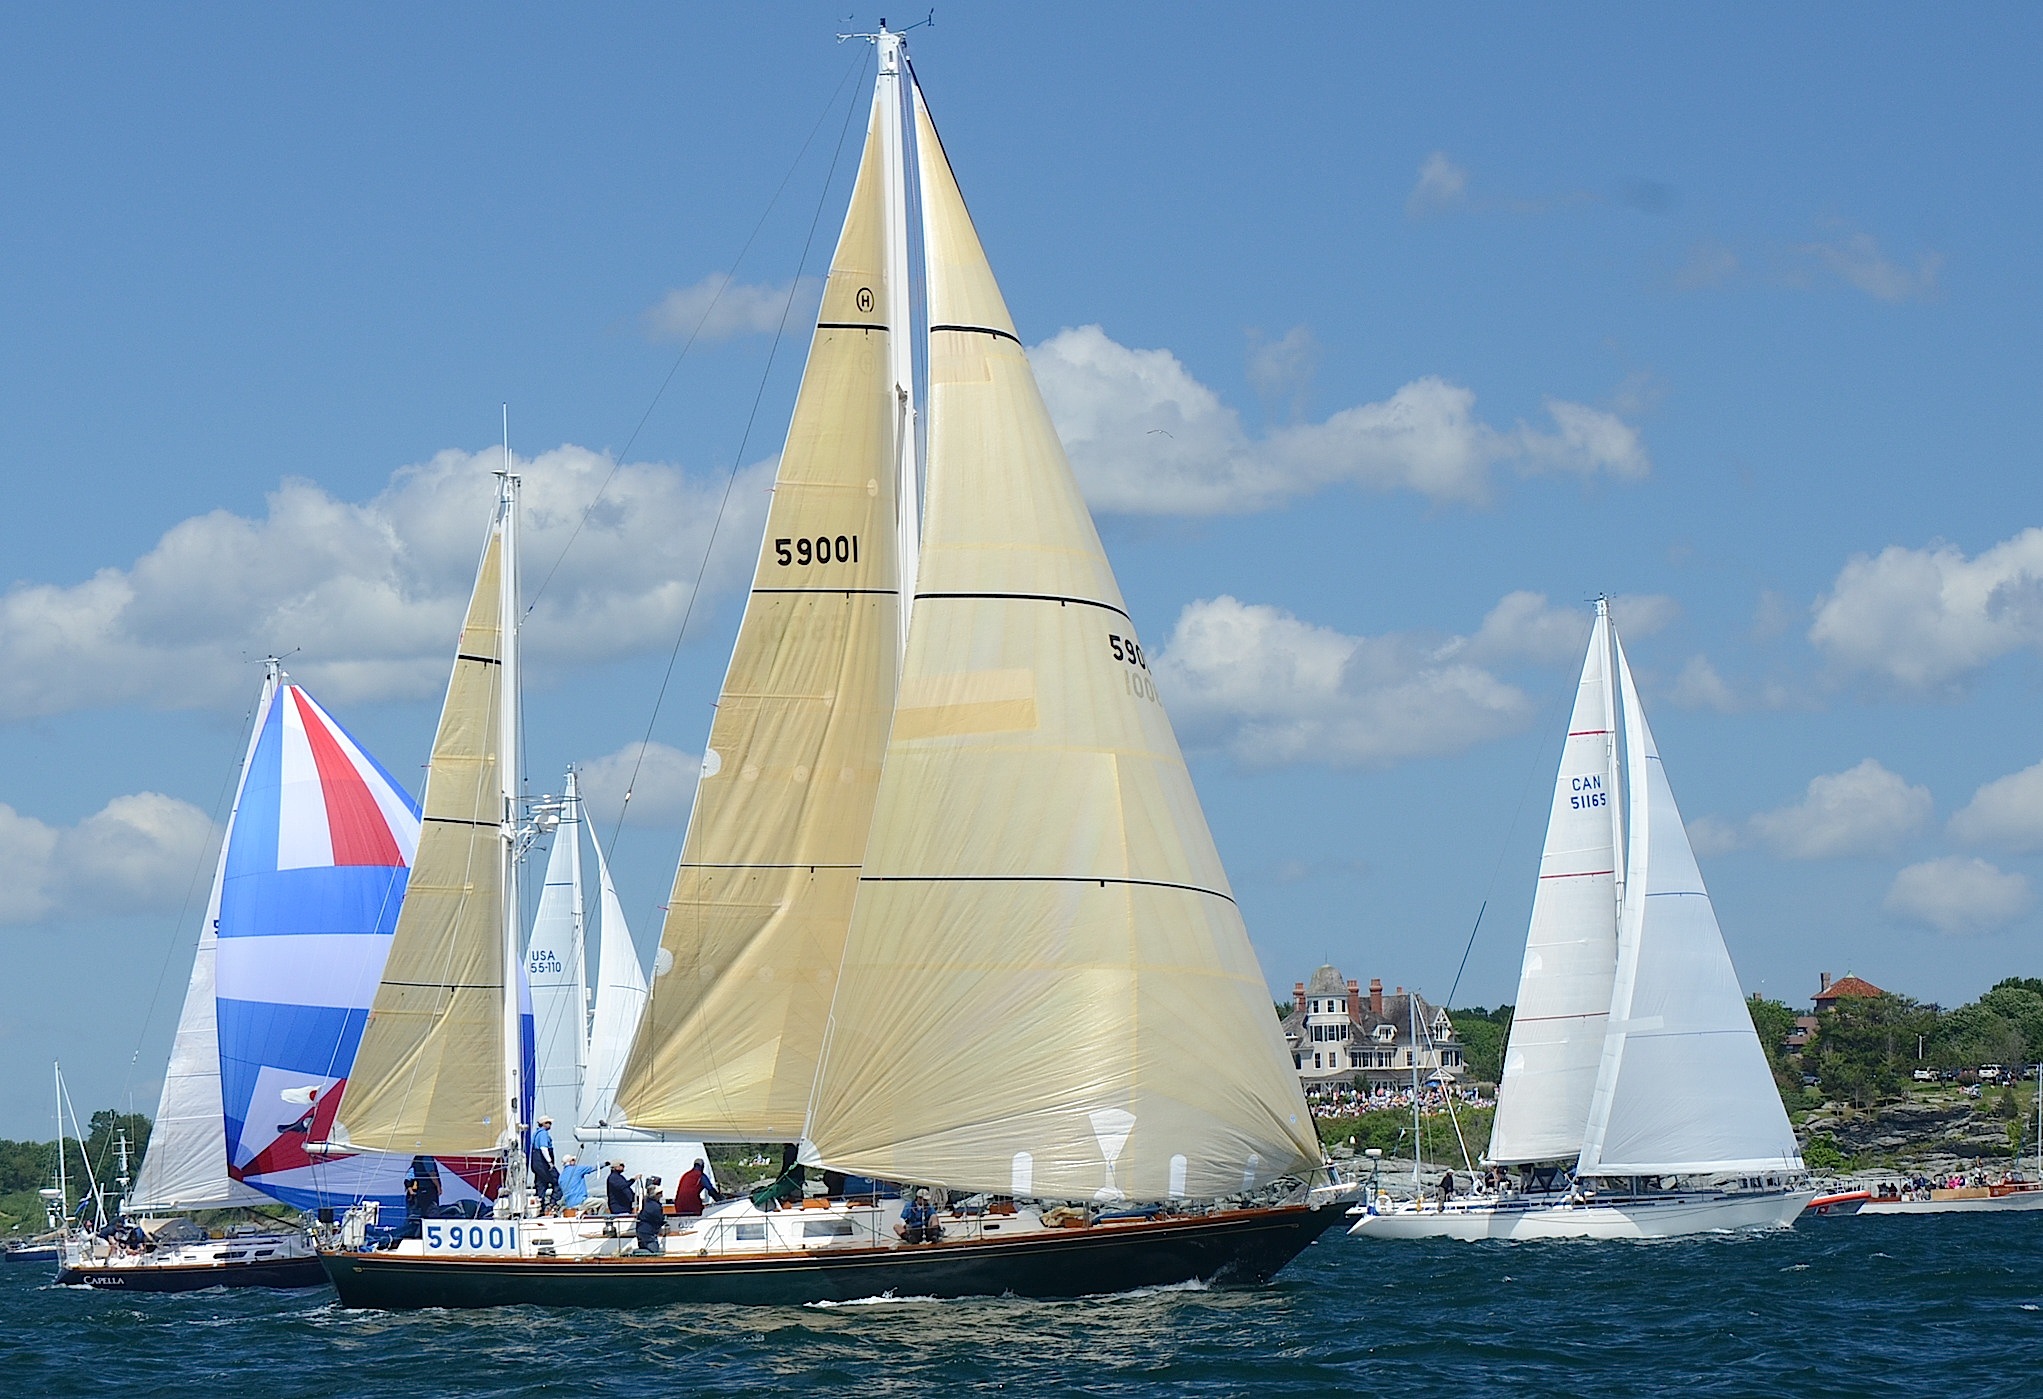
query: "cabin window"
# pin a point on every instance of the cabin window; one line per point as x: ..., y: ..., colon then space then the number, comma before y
x: 826, y: 1228
x: 751, y: 1232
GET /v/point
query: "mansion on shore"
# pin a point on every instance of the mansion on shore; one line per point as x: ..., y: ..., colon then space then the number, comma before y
x: 1337, y: 1035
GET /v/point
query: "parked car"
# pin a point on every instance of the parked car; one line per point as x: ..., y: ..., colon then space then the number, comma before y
x: 1925, y: 1075
x: 1992, y: 1073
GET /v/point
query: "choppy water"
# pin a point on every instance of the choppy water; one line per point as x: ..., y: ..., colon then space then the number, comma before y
x: 1917, y: 1307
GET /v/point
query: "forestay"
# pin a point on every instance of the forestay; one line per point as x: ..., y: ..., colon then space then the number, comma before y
x: 1684, y: 1086
x: 554, y: 969
x: 1047, y: 989
x: 769, y: 868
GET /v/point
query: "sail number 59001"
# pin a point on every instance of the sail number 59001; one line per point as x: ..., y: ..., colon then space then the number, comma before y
x: 822, y: 549
x: 1127, y: 648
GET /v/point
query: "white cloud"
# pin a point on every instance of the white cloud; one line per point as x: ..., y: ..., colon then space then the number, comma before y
x: 1442, y: 185
x: 662, y: 791
x: 1147, y: 438
x: 373, y: 592
x: 1271, y: 689
x: 2006, y: 813
x: 1856, y: 259
x: 1281, y: 370
x: 1525, y: 627
x: 1710, y: 835
x: 1700, y: 687
x: 1925, y: 617
x: 1959, y: 894
x: 141, y: 853
x: 717, y: 308
x: 1864, y: 810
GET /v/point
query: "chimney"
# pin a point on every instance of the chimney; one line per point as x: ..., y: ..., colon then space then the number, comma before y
x: 1354, y: 997
x: 1298, y: 996
x: 1824, y: 979
x: 1376, y: 996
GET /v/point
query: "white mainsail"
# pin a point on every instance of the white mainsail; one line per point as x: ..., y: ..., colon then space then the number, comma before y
x: 554, y: 967
x: 1684, y: 1085
x: 1047, y: 987
x: 769, y: 868
x: 185, y: 1167
x: 1564, y: 987
x: 433, y: 1073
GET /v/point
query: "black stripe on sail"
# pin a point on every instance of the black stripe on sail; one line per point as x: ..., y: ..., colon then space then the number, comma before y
x: 1034, y: 597
x: 464, y: 821
x: 479, y: 660
x: 1038, y: 879
x: 981, y: 330
x: 849, y: 325
x: 868, y: 592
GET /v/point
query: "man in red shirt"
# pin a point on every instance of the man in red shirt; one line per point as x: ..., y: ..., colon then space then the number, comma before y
x: 692, y: 1187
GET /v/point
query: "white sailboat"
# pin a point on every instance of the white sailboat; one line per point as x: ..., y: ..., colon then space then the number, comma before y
x: 947, y: 911
x: 578, y: 1056
x: 1636, y: 1099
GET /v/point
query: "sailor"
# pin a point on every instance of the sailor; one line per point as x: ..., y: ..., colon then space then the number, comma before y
x: 545, y: 1170
x: 421, y: 1194
x: 574, y: 1182
x: 918, y: 1220
x: 689, y: 1190
x: 617, y: 1191
x: 652, y: 1218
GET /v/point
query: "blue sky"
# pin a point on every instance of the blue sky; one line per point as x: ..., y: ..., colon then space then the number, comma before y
x: 1453, y: 320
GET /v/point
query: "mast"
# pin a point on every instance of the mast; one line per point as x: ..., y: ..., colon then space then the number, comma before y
x: 508, y: 783
x: 891, y: 101
x: 1608, y: 636
x: 1418, y: 1139
x: 63, y: 1175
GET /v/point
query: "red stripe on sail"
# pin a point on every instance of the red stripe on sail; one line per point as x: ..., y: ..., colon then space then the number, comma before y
x: 361, y: 835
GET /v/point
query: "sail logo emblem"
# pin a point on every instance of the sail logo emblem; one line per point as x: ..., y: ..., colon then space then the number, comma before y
x: 865, y: 299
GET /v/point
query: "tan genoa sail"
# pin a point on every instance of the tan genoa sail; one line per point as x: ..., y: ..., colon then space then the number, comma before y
x: 1047, y: 988
x: 769, y: 869
x: 430, y: 1075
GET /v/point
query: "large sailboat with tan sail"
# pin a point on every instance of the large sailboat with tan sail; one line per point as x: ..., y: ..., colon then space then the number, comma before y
x: 947, y: 913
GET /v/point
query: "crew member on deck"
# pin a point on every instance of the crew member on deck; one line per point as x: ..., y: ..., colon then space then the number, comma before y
x: 689, y: 1190
x: 918, y: 1220
x: 617, y: 1191
x: 421, y: 1194
x: 545, y: 1170
x: 574, y: 1182
x: 652, y: 1218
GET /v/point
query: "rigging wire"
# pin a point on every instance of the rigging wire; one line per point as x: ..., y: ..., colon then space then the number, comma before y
x: 737, y: 462
x: 695, y: 334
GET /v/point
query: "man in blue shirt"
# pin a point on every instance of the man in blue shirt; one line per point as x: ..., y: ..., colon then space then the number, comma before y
x: 545, y: 1174
x: 574, y: 1182
x: 918, y: 1220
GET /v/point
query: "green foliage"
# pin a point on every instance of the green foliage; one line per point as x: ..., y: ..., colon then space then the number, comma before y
x: 26, y: 1166
x: 1283, y: 1009
x: 1824, y: 1154
x: 1774, y: 1021
x: 1864, y: 1047
x: 1391, y: 1130
x: 1483, y: 1035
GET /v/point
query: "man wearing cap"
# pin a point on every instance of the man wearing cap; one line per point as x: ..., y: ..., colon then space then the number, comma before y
x: 689, y: 1190
x: 617, y: 1191
x: 652, y: 1217
x: 545, y: 1171
x: 918, y: 1220
x: 574, y: 1182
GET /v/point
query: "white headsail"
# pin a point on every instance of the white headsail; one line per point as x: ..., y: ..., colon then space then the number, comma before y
x: 1684, y: 1086
x: 185, y: 1166
x: 554, y: 965
x: 1565, y: 983
x: 1045, y: 948
x: 620, y: 1003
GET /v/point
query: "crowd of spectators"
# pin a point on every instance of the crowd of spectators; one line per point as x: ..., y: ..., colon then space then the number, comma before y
x: 1346, y: 1100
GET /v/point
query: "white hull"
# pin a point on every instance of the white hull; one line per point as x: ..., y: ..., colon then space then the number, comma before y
x: 2023, y: 1200
x: 1642, y: 1217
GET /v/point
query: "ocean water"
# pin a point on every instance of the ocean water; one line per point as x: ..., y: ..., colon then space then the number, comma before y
x: 1917, y: 1307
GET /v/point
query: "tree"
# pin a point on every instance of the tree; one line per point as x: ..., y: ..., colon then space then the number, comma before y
x: 1864, y: 1047
x: 1774, y: 1021
x: 1483, y: 1035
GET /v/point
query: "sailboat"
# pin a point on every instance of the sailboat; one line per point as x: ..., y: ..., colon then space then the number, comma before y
x: 1636, y: 1100
x: 947, y: 913
x: 578, y: 1055
x: 310, y: 875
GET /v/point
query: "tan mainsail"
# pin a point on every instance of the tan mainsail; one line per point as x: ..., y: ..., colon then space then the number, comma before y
x: 430, y: 1074
x: 1047, y: 987
x: 769, y: 870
